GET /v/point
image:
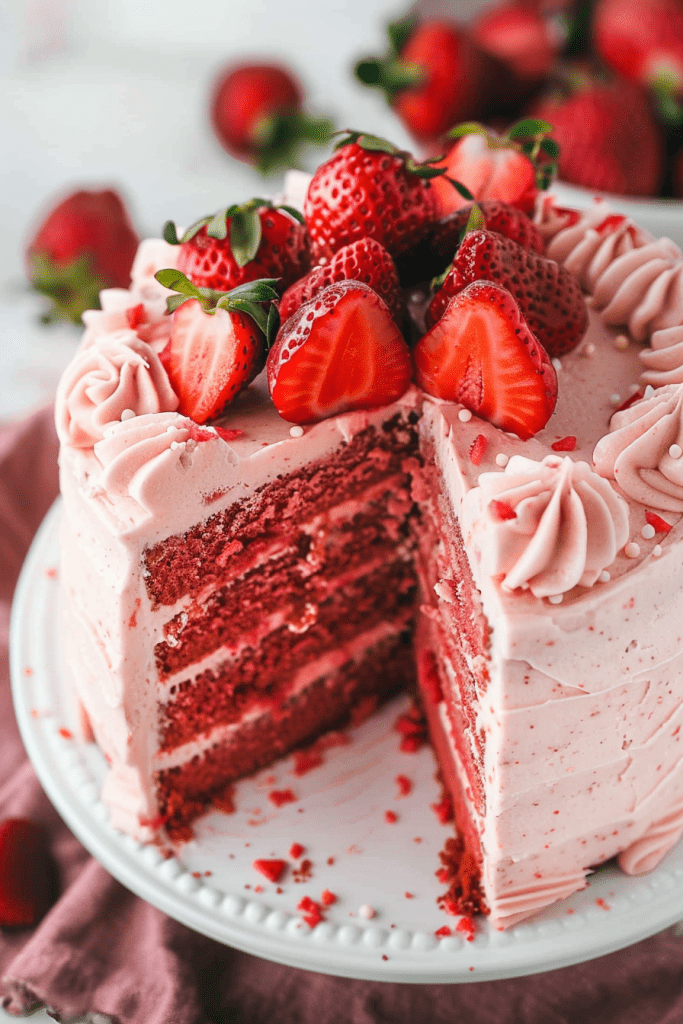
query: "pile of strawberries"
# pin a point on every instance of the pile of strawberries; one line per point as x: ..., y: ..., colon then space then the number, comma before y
x: 607, y: 75
x: 321, y: 299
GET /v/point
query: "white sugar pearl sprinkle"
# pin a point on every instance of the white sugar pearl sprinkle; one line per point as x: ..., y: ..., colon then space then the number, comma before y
x: 675, y: 451
x: 557, y: 364
x: 127, y: 414
x: 464, y: 415
x: 604, y: 576
x: 296, y: 431
x: 648, y: 531
x: 621, y: 342
x: 502, y: 459
x: 588, y: 349
x: 615, y: 399
x: 632, y: 550
x: 367, y: 911
x: 657, y: 550
x: 555, y: 598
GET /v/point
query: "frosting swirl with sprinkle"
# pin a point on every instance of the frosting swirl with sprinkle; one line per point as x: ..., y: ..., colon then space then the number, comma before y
x: 546, y: 526
x: 118, y: 372
x: 636, y: 452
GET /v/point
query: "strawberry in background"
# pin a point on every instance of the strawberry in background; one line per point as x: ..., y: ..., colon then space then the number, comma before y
x: 520, y: 36
x: 434, y: 75
x: 257, y: 115
x: 511, y: 167
x: 86, y: 243
x: 642, y: 40
x: 608, y: 136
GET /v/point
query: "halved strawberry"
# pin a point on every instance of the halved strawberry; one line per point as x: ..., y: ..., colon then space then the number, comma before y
x: 217, y: 343
x: 27, y: 873
x: 548, y: 294
x: 365, y: 260
x: 340, y: 351
x: 482, y: 354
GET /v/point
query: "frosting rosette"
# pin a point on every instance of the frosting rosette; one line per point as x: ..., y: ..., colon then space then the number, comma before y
x: 135, y: 455
x: 546, y: 526
x: 663, y: 360
x: 117, y: 374
x: 642, y: 450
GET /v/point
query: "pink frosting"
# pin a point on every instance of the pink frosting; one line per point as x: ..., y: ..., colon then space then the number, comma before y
x: 663, y: 360
x: 115, y: 375
x: 546, y: 526
x: 129, y: 450
x: 646, y: 853
x: 636, y: 452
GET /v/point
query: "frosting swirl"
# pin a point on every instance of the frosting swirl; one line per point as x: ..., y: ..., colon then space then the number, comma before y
x: 661, y: 836
x: 546, y: 526
x: 116, y: 373
x: 636, y: 452
x: 132, y: 450
x: 663, y: 360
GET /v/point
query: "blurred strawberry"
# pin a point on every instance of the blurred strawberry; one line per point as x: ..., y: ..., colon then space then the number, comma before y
x: 85, y: 244
x: 510, y: 167
x: 28, y: 875
x: 677, y: 174
x: 520, y: 37
x: 609, y: 139
x: 434, y: 75
x: 642, y: 40
x: 257, y: 115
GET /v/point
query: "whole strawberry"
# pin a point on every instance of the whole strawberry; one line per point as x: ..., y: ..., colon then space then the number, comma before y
x: 496, y: 216
x: 243, y: 243
x: 482, y: 354
x: 369, y: 189
x: 217, y: 343
x: 609, y: 139
x: 86, y: 243
x: 520, y: 36
x: 434, y: 75
x: 365, y: 260
x: 549, y: 296
x: 257, y: 115
x: 511, y: 167
x: 27, y: 873
x: 340, y: 351
x: 642, y: 40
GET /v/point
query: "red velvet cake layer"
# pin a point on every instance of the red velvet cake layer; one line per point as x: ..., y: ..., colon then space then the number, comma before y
x: 265, y: 673
x: 227, y: 543
x: 294, y: 582
x: 185, y: 791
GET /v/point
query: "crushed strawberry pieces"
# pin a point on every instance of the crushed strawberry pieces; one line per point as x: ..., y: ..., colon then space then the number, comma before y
x: 296, y: 850
x: 477, y: 449
x: 659, y: 524
x: 404, y: 784
x: 279, y: 797
x: 501, y: 510
x: 564, y: 444
x: 310, y: 911
x: 273, y: 870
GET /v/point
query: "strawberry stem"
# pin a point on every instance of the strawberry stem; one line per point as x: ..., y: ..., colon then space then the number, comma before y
x: 255, y: 298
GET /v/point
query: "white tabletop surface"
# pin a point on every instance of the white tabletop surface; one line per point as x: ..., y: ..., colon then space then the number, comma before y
x: 99, y: 93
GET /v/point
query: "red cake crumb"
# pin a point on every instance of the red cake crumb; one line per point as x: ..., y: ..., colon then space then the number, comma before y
x: 224, y: 800
x: 430, y: 678
x: 28, y: 671
x: 390, y: 817
x: 65, y: 733
x: 364, y: 709
x: 659, y: 524
x: 404, y: 785
x: 296, y: 850
x: 501, y: 510
x: 282, y: 796
x: 466, y: 925
x: 564, y: 444
x: 330, y: 860
x: 306, y: 760
x: 461, y: 871
x: 443, y: 932
x: 601, y: 903
x: 384, y: 956
x: 327, y: 898
x: 477, y: 449
x: 258, y: 888
x: 409, y: 895
x: 303, y: 872
x: 311, y: 911
x: 51, y: 573
x: 412, y: 726
x: 444, y: 808
x: 273, y: 870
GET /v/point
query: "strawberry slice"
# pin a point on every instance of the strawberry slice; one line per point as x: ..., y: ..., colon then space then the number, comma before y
x: 217, y: 343
x: 27, y: 873
x: 482, y: 354
x: 548, y: 294
x: 340, y: 351
x: 365, y: 260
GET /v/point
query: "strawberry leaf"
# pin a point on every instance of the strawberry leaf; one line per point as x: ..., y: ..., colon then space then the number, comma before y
x: 170, y: 233
x: 245, y: 234
x: 293, y: 212
x: 272, y: 326
x: 530, y: 127
x: 461, y: 189
x: 467, y: 128
x: 475, y: 221
x: 217, y: 227
x: 176, y: 281
x: 399, y: 32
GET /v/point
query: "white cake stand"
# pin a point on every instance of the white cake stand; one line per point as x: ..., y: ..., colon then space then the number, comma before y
x: 339, y: 816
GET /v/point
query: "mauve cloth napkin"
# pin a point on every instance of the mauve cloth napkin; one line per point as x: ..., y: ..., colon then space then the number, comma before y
x: 101, y: 951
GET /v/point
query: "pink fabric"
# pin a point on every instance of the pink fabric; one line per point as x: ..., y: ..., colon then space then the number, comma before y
x: 101, y: 950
